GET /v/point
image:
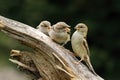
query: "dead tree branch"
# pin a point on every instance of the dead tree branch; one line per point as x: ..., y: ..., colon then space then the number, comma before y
x: 48, y: 60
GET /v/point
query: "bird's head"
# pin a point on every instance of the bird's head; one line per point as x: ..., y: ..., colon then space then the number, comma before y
x: 45, y: 24
x: 62, y: 27
x: 81, y: 27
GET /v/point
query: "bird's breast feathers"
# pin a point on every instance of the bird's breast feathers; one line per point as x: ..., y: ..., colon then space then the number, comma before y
x: 59, y: 37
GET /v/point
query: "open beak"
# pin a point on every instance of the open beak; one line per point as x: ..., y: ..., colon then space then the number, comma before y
x: 67, y: 29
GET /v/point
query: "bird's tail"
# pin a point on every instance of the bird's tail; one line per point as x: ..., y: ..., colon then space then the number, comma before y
x: 90, y: 66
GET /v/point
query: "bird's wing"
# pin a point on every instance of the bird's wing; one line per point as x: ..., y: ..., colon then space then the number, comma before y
x: 86, y: 46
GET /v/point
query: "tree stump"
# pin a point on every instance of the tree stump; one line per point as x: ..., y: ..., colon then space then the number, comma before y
x: 47, y: 60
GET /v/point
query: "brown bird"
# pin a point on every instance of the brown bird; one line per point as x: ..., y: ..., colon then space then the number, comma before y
x: 44, y: 27
x: 80, y: 46
x: 60, y: 33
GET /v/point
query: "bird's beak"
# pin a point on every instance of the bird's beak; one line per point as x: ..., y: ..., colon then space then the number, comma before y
x: 68, y: 26
x: 76, y: 28
x: 49, y: 27
x: 67, y: 29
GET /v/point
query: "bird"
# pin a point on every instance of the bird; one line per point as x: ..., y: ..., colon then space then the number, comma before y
x: 60, y: 33
x: 80, y: 46
x: 44, y: 27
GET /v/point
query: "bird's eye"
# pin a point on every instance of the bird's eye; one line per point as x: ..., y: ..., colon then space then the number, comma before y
x: 81, y: 27
x: 42, y: 25
x: 63, y: 27
x: 45, y: 25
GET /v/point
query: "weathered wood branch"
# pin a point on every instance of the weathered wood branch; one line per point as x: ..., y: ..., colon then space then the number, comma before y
x: 50, y: 60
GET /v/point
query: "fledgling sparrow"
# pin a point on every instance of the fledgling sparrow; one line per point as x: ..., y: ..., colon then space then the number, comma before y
x: 44, y: 27
x: 60, y: 33
x: 80, y: 46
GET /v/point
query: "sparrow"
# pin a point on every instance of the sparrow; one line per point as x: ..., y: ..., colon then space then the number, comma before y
x: 60, y: 33
x: 80, y: 46
x: 44, y: 27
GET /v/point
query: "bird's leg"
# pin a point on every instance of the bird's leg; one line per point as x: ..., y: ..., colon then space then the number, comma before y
x: 78, y: 61
x: 63, y: 44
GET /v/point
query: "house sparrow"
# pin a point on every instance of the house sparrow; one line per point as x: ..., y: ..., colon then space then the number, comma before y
x: 60, y: 33
x: 80, y: 46
x: 44, y: 27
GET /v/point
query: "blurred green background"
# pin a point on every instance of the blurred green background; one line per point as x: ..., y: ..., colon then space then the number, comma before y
x: 101, y: 16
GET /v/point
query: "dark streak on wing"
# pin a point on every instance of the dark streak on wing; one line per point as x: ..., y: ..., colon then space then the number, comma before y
x: 86, y: 46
